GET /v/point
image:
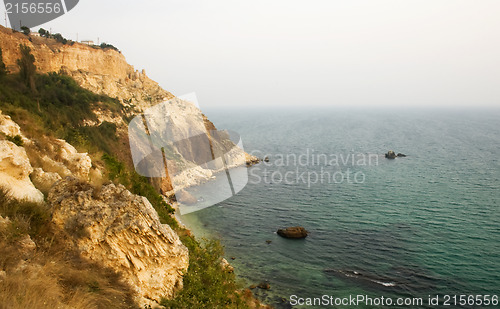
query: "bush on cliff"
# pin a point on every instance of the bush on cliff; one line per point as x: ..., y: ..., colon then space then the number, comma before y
x: 27, y: 68
x: 3, y: 69
x: 25, y: 30
x: 106, y: 45
x: 57, y: 107
x: 58, y: 37
x: 18, y: 140
x: 206, y: 283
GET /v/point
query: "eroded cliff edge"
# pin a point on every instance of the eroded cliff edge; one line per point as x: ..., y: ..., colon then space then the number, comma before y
x: 102, y: 71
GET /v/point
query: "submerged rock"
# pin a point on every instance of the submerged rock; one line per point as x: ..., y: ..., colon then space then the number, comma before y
x: 293, y: 232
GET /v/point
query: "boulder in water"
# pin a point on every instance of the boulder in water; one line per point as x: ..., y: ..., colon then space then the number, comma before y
x: 293, y: 232
x: 390, y: 155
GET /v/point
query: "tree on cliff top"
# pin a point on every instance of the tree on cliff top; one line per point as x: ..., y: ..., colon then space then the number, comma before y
x: 44, y: 32
x: 25, y: 30
x: 3, y: 69
x: 27, y: 68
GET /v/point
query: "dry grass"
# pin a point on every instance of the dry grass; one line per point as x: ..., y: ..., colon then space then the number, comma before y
x: 52, y: 275
x: 39, y: 289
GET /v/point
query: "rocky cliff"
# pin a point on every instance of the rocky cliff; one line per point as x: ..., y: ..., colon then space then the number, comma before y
x: 103, y: 71
x: 108, y: 225
x: 102, y: 221
x: 15, y: 167
x: 123, y: 232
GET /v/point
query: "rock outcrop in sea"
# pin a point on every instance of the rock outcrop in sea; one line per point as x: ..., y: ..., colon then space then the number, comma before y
x: 296, y: 232
x: 392, y: 155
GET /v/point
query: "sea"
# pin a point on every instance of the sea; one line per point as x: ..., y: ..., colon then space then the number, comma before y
x: 412, y: 230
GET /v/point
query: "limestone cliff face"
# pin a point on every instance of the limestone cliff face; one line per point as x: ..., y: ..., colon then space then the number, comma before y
x: 189, y: 139
x: 26, y: 169
x: 15, y: 166
x: 122, y: 231
x: 15, y: 169
x: 100, y: 71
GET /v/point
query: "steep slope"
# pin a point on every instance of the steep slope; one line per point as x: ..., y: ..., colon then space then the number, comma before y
x: 61, y: 130
x: 102, y: 71
x: 105, y: 71
x: 108, y: 225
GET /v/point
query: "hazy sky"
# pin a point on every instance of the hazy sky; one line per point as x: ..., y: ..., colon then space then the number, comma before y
x: 305, y: 53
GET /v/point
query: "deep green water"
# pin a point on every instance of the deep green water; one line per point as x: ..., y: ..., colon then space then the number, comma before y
x: 422, y: 225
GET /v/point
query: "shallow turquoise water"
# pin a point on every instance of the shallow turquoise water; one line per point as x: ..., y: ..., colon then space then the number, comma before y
x: 416, y: 226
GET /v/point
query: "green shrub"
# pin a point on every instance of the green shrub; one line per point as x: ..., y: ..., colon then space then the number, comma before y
x: 61, y: 105
x: 43, y: 32
x: 3, y: 69
x: 27, y: 68
x: 94, y: 139
x: 206, y: 283
x: 106, y: 45
x: 25, y: 30
x: 26, y: 217
x: 59, y: 38
x: 116, y: 169
x: 18, y: 140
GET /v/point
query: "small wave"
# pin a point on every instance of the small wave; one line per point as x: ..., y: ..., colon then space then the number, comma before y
x: 384, y: 283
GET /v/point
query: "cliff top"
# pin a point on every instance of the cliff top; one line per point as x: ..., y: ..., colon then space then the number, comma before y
x: 102, y: 71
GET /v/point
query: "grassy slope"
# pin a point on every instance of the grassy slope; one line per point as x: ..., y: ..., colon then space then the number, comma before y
x: 59, y: 109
